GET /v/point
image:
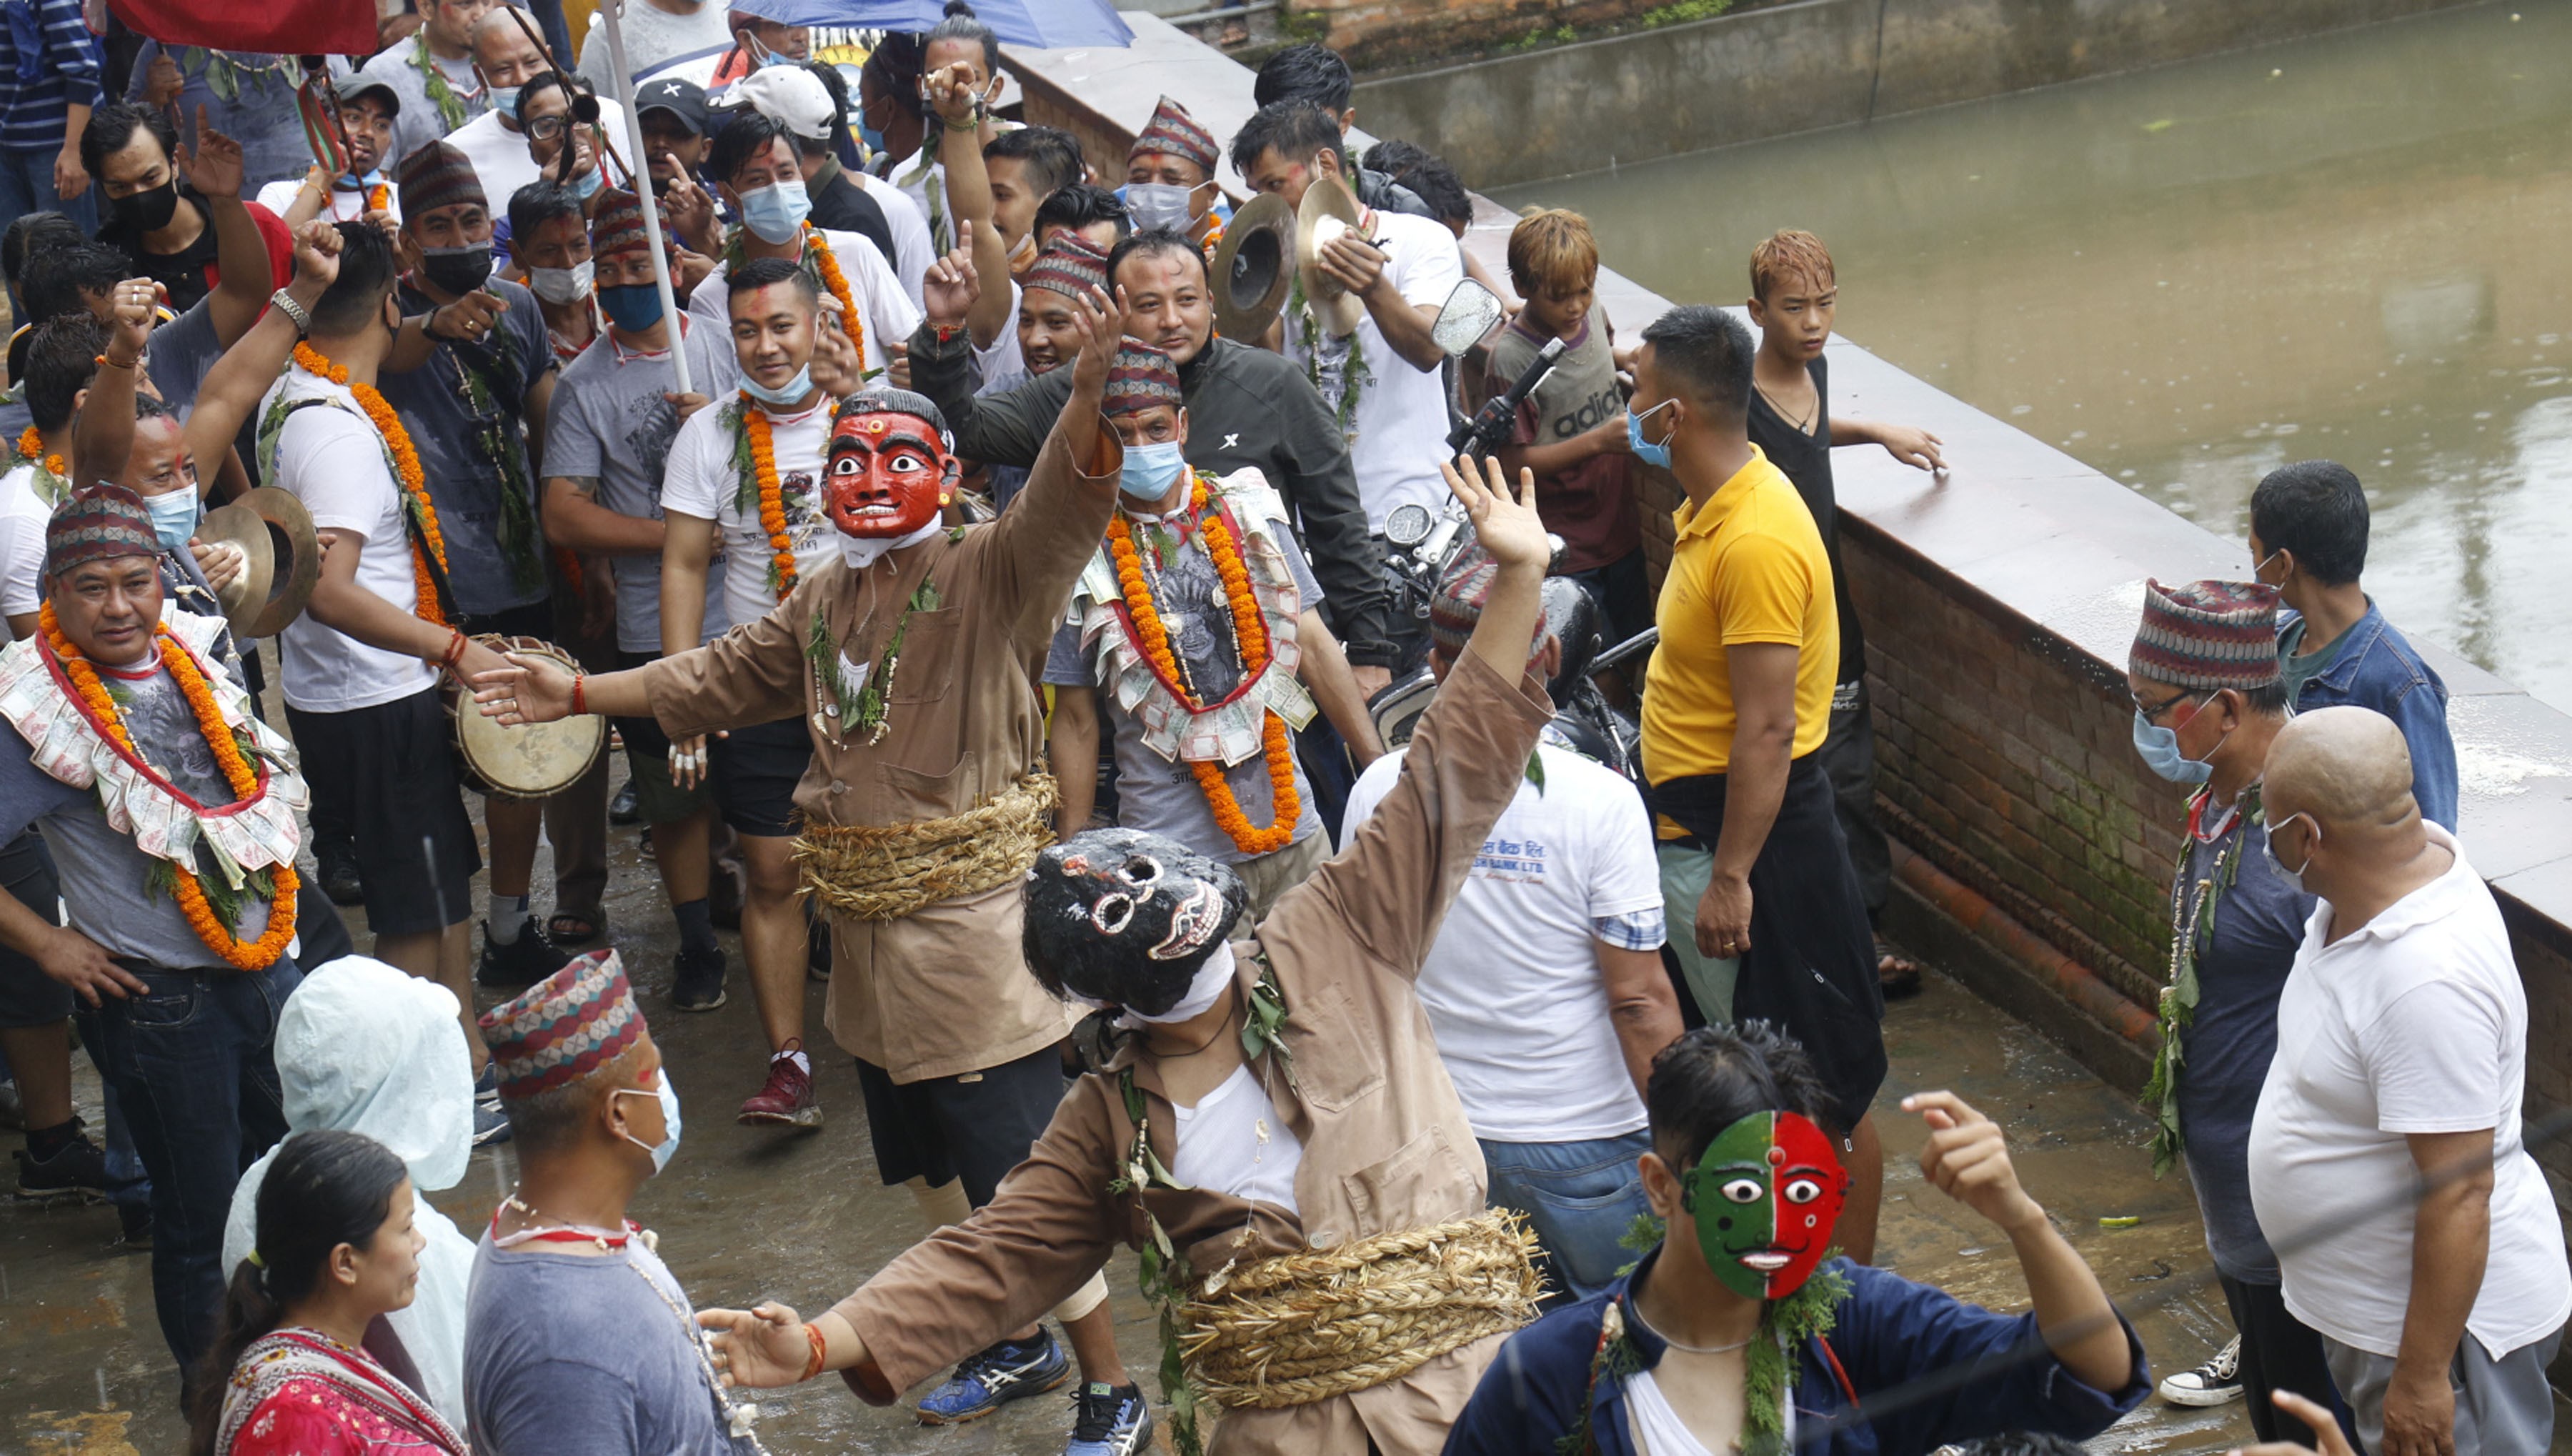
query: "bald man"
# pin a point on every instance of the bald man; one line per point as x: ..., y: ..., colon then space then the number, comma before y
x: 2401, y: 1053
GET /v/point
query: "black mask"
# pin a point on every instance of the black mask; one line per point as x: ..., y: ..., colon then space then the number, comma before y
x: 1120, y: 916
x: 148, y: 211
x: 457, y: 270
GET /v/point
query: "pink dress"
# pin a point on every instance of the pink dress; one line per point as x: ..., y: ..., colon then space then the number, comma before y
x: 298, y: 1393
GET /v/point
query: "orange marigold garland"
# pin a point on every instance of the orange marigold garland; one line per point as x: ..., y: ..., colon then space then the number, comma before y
x: 31, y: 448
x: 772, y: 495
x: 256, y: 955
x: 816, y: 251
x: 415, y: 482
x: 1251, y: 632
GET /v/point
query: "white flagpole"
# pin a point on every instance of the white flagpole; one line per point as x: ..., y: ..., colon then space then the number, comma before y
x: 607, y: 10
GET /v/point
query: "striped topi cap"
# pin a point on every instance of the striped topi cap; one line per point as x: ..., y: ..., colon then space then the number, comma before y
x: 563, y: 1028
x: 1069, y: 265
x: 618, y: 228
x: 2208, y: 635
x: 1173, y: 131
x: 1138, y: 379
x: 99, y: 522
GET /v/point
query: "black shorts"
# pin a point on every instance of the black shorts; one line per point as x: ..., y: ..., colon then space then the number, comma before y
x: 1810, y: 969
x: 977, y: 1126
x: 29, y: 996
x: 754, y: 771
x: 394, y: 767
x: 536, y: 620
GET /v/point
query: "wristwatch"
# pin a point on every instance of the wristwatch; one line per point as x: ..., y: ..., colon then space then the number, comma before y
x: 284, y: 303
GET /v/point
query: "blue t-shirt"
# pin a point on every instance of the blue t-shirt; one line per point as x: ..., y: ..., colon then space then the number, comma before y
x: 580, y: 1355
x: 463, y: 411
x: 2245, y: 946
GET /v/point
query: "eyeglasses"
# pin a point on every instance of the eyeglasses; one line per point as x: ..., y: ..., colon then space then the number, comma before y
x: 2151, y: 711
x: 546, y: 128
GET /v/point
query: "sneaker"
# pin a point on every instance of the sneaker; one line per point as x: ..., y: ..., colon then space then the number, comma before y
x: 1110, y: 1421
x: 338, y: 860
x: 522, y: 963
x: 627, y: 806
x: 2216, y: 1382
x: 490, y: 1123
x: 698, y: 984
x: 787, y: 1098
x: 995, y: 1376
x: 76, y: 1168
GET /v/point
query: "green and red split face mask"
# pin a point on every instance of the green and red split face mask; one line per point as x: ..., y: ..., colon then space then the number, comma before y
x: 1765, y: 1198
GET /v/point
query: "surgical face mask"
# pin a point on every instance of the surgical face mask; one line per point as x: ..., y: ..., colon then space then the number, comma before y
x: 173, y: 517
x: 874, y: 139
x: 1149, y: 469
x: 457, y: 270
x: 792, y: 394
x: 504, y: 100
x: 1158, y: 205
x: 2160, y: 749
x: 2294, y: 878
x: 586, y: 185
x: 631, y: 307
x: 776, y: 210
x: 669, y: 1142
x: 1207, y: 986
x: 1644, y: 450
x: 563, y: 285
x: 148, y: 211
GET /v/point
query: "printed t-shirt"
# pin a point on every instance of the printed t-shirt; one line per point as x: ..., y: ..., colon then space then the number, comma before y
x: 887, y: 312
x: 1398, y: 431
x: 610, y: 423
x: 461, y: 406
x: 1512, y: 984
x: 329, y: 456
x: 24, y: 512
x: 1747, y: 567
x: 703, y: 483
x: 1592, y: 505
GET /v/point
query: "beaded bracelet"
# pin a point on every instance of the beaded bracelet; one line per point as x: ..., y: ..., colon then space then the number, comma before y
x: 813, y: 1366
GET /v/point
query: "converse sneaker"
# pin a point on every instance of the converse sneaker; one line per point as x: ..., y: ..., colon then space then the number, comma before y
x: 1110, y: 1421
x: 2216, y: 1382
x: 992, y: 1377
x: 787, y: 1098
x: 697, y: 979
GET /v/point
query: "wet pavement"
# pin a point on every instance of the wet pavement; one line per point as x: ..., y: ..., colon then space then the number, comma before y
x: 746, y: 1215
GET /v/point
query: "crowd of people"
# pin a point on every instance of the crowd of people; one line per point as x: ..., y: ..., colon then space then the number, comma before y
x: 988, y: 635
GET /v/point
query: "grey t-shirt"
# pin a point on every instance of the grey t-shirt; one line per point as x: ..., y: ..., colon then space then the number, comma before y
x: 107, y: 879
x: 461, y: 409
x: 181, y: 352
x: 610, y: 423
x: 1153, y: 793
x: 2299, y: 670
x: 578, y: 1355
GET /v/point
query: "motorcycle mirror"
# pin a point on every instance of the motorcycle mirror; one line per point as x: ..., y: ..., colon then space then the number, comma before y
x: 1407, y: 525
x: 1468, y: 315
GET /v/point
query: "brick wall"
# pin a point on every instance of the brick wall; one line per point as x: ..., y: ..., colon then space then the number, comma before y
x: 1378, y: 33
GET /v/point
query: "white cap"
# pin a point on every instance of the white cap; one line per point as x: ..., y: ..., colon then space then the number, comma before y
x: 789, y: 96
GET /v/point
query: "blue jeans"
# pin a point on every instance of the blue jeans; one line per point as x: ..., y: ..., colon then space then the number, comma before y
x: 191, y: 1064
x: 1581, y: 1198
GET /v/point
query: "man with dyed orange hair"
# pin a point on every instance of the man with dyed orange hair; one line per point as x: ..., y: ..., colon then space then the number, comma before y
x: 1794, y: 292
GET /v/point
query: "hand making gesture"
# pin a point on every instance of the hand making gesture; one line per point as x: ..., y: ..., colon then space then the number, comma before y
x: 1507, y: 526
x: 214, y: 166
x: 1100, y: 323
x: 951, y: 93
x: 948, y: 289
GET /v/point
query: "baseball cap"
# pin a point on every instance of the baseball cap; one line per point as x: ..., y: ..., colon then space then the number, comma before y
x: 361, y: 84
x: 685, y: 100
x: 789, y: 96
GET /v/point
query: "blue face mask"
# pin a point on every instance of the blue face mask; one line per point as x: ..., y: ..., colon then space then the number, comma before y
x: 2160, y: 749
x: 792, y: 394
x: 1644, y: 450
x: 173, y: 517
x: 586, y: 185
x: 669, y: 1143
x: 874, y: 139
x: 504, y: 100
x: 631, y: 307
x: 774, y: 212
x: 1149, y: 469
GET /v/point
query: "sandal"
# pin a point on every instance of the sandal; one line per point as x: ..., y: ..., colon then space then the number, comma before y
x: 1895, y: 973
x: 569, y: 928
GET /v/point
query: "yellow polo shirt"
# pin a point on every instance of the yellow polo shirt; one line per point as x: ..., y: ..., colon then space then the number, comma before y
x: 1747, y: 567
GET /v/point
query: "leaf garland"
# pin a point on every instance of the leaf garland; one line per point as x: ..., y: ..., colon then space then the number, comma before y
x: 1354, y: 377
x: 2192, y: 916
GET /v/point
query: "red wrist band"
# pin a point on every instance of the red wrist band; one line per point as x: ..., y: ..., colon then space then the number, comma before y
x: 454, y: 653
x: 813, y: 1366
x: 580, y: 705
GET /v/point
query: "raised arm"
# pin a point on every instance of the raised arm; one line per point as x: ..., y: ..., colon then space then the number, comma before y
x: 1071, y: 492
x: 241, y: 379
x: 103, y: 431
x: 1007, y: 429
x: 214, y: 168
x: 969, y: 199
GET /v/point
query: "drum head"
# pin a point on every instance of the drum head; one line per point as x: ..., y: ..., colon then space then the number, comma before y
x: 528, y: 760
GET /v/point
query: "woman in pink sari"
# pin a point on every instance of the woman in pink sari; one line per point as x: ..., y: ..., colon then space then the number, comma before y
x: 335, y: 1252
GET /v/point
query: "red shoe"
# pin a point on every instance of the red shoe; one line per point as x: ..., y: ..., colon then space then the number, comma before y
x: 787, y: 1098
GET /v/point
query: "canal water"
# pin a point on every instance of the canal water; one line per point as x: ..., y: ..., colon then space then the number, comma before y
x: 2351, y: 246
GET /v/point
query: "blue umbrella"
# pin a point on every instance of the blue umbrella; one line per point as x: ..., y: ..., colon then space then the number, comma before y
x: 1045, y: 23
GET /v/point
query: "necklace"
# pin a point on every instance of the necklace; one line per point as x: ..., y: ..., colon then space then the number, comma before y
x: 1646, y: 1326
x: 1234, y: 1005
x: 756, y: 451
x: 1801, y: 427
x: 427, y: 542
x: 2192, y: 912
x: 247, y: 784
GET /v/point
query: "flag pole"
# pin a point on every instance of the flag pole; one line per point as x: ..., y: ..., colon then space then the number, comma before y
x: 606, y: 13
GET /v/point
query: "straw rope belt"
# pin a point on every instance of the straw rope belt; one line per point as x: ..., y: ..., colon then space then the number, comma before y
x: 1302, y: 1327
x: 870, y: 871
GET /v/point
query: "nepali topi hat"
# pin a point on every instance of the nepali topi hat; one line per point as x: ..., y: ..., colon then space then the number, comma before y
x: 2208, y: 635
x: 563, y: 1028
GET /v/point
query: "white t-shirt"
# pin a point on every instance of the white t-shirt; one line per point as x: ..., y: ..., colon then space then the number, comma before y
x: 2415, y: 1022
x: 703, y: 483
x: 889, y: 314
x: 501, y: 158
x: 1400, y: 424
x: 23, y: 515
x: 1003, y: 366
x: 331, y: 458
x: 345, y: 207
x: 913, y: 253
x: 1234, y: 1143
x: 1513, y: 986
x: 653, y: 36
